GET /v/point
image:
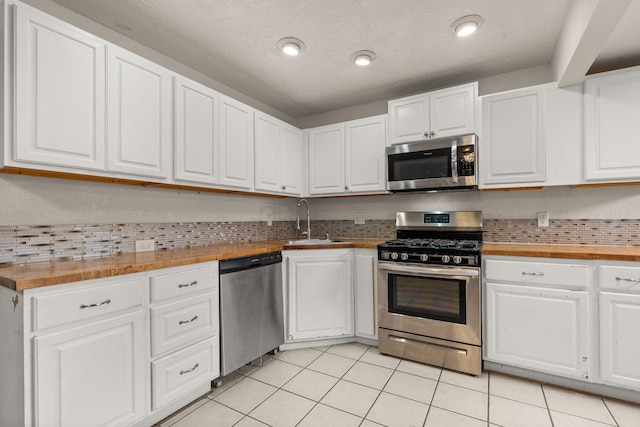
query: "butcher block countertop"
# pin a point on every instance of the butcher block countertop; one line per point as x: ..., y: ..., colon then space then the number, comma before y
x: 28, y: 276
x: 589, y: 252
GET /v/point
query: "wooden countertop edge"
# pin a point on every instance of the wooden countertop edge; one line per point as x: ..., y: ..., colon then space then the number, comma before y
x: 585, y: 252
x: 19, y: 277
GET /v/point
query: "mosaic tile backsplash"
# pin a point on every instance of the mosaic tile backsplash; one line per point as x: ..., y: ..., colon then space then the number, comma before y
x: 26, y: 244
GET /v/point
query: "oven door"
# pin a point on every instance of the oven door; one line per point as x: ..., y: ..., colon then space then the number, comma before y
x: 440, y: 302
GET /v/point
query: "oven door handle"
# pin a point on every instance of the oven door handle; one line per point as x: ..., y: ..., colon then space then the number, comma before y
x: 396, y: 267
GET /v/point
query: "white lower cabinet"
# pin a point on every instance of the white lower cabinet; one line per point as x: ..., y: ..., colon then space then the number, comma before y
x: 116, y: 351
x: 536, y: 315
x: 364, y: 267
x: 319, y: 292
x: 619, y: 301
x: 92, y: 374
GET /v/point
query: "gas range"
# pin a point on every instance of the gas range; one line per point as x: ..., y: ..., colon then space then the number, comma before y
x: 435, y: 238
x: 429, y: 298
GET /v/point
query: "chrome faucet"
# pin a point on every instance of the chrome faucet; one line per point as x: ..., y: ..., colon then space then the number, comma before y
x: 308, y: 232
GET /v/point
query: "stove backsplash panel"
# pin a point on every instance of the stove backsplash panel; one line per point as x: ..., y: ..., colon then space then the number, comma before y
x: 26, y: 244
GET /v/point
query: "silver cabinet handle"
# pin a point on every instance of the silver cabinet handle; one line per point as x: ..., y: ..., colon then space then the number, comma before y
x: 186, y: 285
x: 433, y: 133
x: 97, y: 304
x: 346, y: 187
x: 182, y: 322
x: 628, y: 279
x: 190, y: 370
x: 524, y: 273
x: 284, y: 187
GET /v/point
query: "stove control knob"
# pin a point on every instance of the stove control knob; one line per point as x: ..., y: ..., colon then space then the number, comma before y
x: 457, y: 259
x: 446, y: 258
x: 424, y: 257
x: 394, y: 255
x: 404, y: 257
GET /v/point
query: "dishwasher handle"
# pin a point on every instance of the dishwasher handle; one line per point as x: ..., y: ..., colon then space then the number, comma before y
x: 245, y: 263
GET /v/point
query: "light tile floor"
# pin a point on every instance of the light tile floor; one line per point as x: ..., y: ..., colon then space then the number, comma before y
x: 354, y: 385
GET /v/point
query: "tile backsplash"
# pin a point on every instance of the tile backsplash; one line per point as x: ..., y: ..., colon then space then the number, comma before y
x: 26, y: 244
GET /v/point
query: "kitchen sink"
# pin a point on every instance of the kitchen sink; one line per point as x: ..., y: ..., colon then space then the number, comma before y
x: 312, y: 242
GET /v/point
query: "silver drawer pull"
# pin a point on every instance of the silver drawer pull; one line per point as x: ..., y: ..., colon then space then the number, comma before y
x: 190, y: 370
x: 524, y: 273
x: 186, y: 285
x: 628, y: 279
x: 182, y: 322
x: 97, y: 304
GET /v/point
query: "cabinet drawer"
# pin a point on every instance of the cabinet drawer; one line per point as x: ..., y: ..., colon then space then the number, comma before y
x: 185, y: 370
x: 540, y: 273
x: 182, y: 322
x: 619, y: 278
x: 183, y: 283
x: 71, y: 306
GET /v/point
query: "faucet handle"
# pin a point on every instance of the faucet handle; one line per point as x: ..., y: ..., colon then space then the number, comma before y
x: 326, y: 236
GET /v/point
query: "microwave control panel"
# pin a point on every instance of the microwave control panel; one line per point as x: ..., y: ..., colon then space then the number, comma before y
x: 466, y: 160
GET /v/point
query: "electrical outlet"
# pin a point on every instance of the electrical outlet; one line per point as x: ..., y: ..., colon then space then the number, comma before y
x: 269, y: 220
x: 543, y: 219
x: 145, y: 245
x: 359, y: 218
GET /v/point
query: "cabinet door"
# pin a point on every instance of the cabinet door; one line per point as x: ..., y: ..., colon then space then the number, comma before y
x: 292, y: 159
x: 60, y: 97
x: 513, y: 139
x: 619, y: 345
x: 268, y: 153
x: 409, y: 119
x: 612, y: 125
x: 365, y: 293
x: 196, y: 132
x: 452, y: 111
x: 326, y: 160
x: 319, y: 296
x: 93, y: 375
x: 236, y: 144
x: 139, y: 115
x: 537, y: 328
x: 365, y: 142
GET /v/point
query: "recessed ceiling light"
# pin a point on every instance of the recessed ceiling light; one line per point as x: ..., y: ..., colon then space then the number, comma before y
x: 363, y: 57
x: 466, y: 25
x: 291, y: 46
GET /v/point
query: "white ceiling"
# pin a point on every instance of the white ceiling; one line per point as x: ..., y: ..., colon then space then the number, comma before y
x: 234, y: 42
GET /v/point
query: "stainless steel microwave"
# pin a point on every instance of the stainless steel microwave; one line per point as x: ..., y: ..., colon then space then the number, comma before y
x: 437, y: 164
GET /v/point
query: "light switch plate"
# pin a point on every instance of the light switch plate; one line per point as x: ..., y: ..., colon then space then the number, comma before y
x: 543, y: 219
x: 359, y: 218
x: 145, y: 245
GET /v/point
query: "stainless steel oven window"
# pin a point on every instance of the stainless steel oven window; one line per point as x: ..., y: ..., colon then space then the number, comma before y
x: 428, y: 297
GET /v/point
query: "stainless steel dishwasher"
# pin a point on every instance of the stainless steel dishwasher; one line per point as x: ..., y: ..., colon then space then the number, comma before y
x: 251, y: 309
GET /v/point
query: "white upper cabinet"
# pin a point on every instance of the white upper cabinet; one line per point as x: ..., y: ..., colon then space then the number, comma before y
x: 437, y: 114
x: 348, y: 157
x: 612, y: 126
x: 513, y: 137
x: 138, y: 115
x: 196, y: 132
x: 236, y: 144
x: 59, y: 93
x: 292, y: 157
x: 278, y: 156
x: 326, y: 160
x: 365, y: 158
x: 531, y: 136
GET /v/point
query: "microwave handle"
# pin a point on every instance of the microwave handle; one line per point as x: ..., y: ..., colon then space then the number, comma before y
x: 454, y: 161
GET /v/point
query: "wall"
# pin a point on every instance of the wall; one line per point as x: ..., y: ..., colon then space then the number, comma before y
x: 27, y: 200
x: 561, y: 203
